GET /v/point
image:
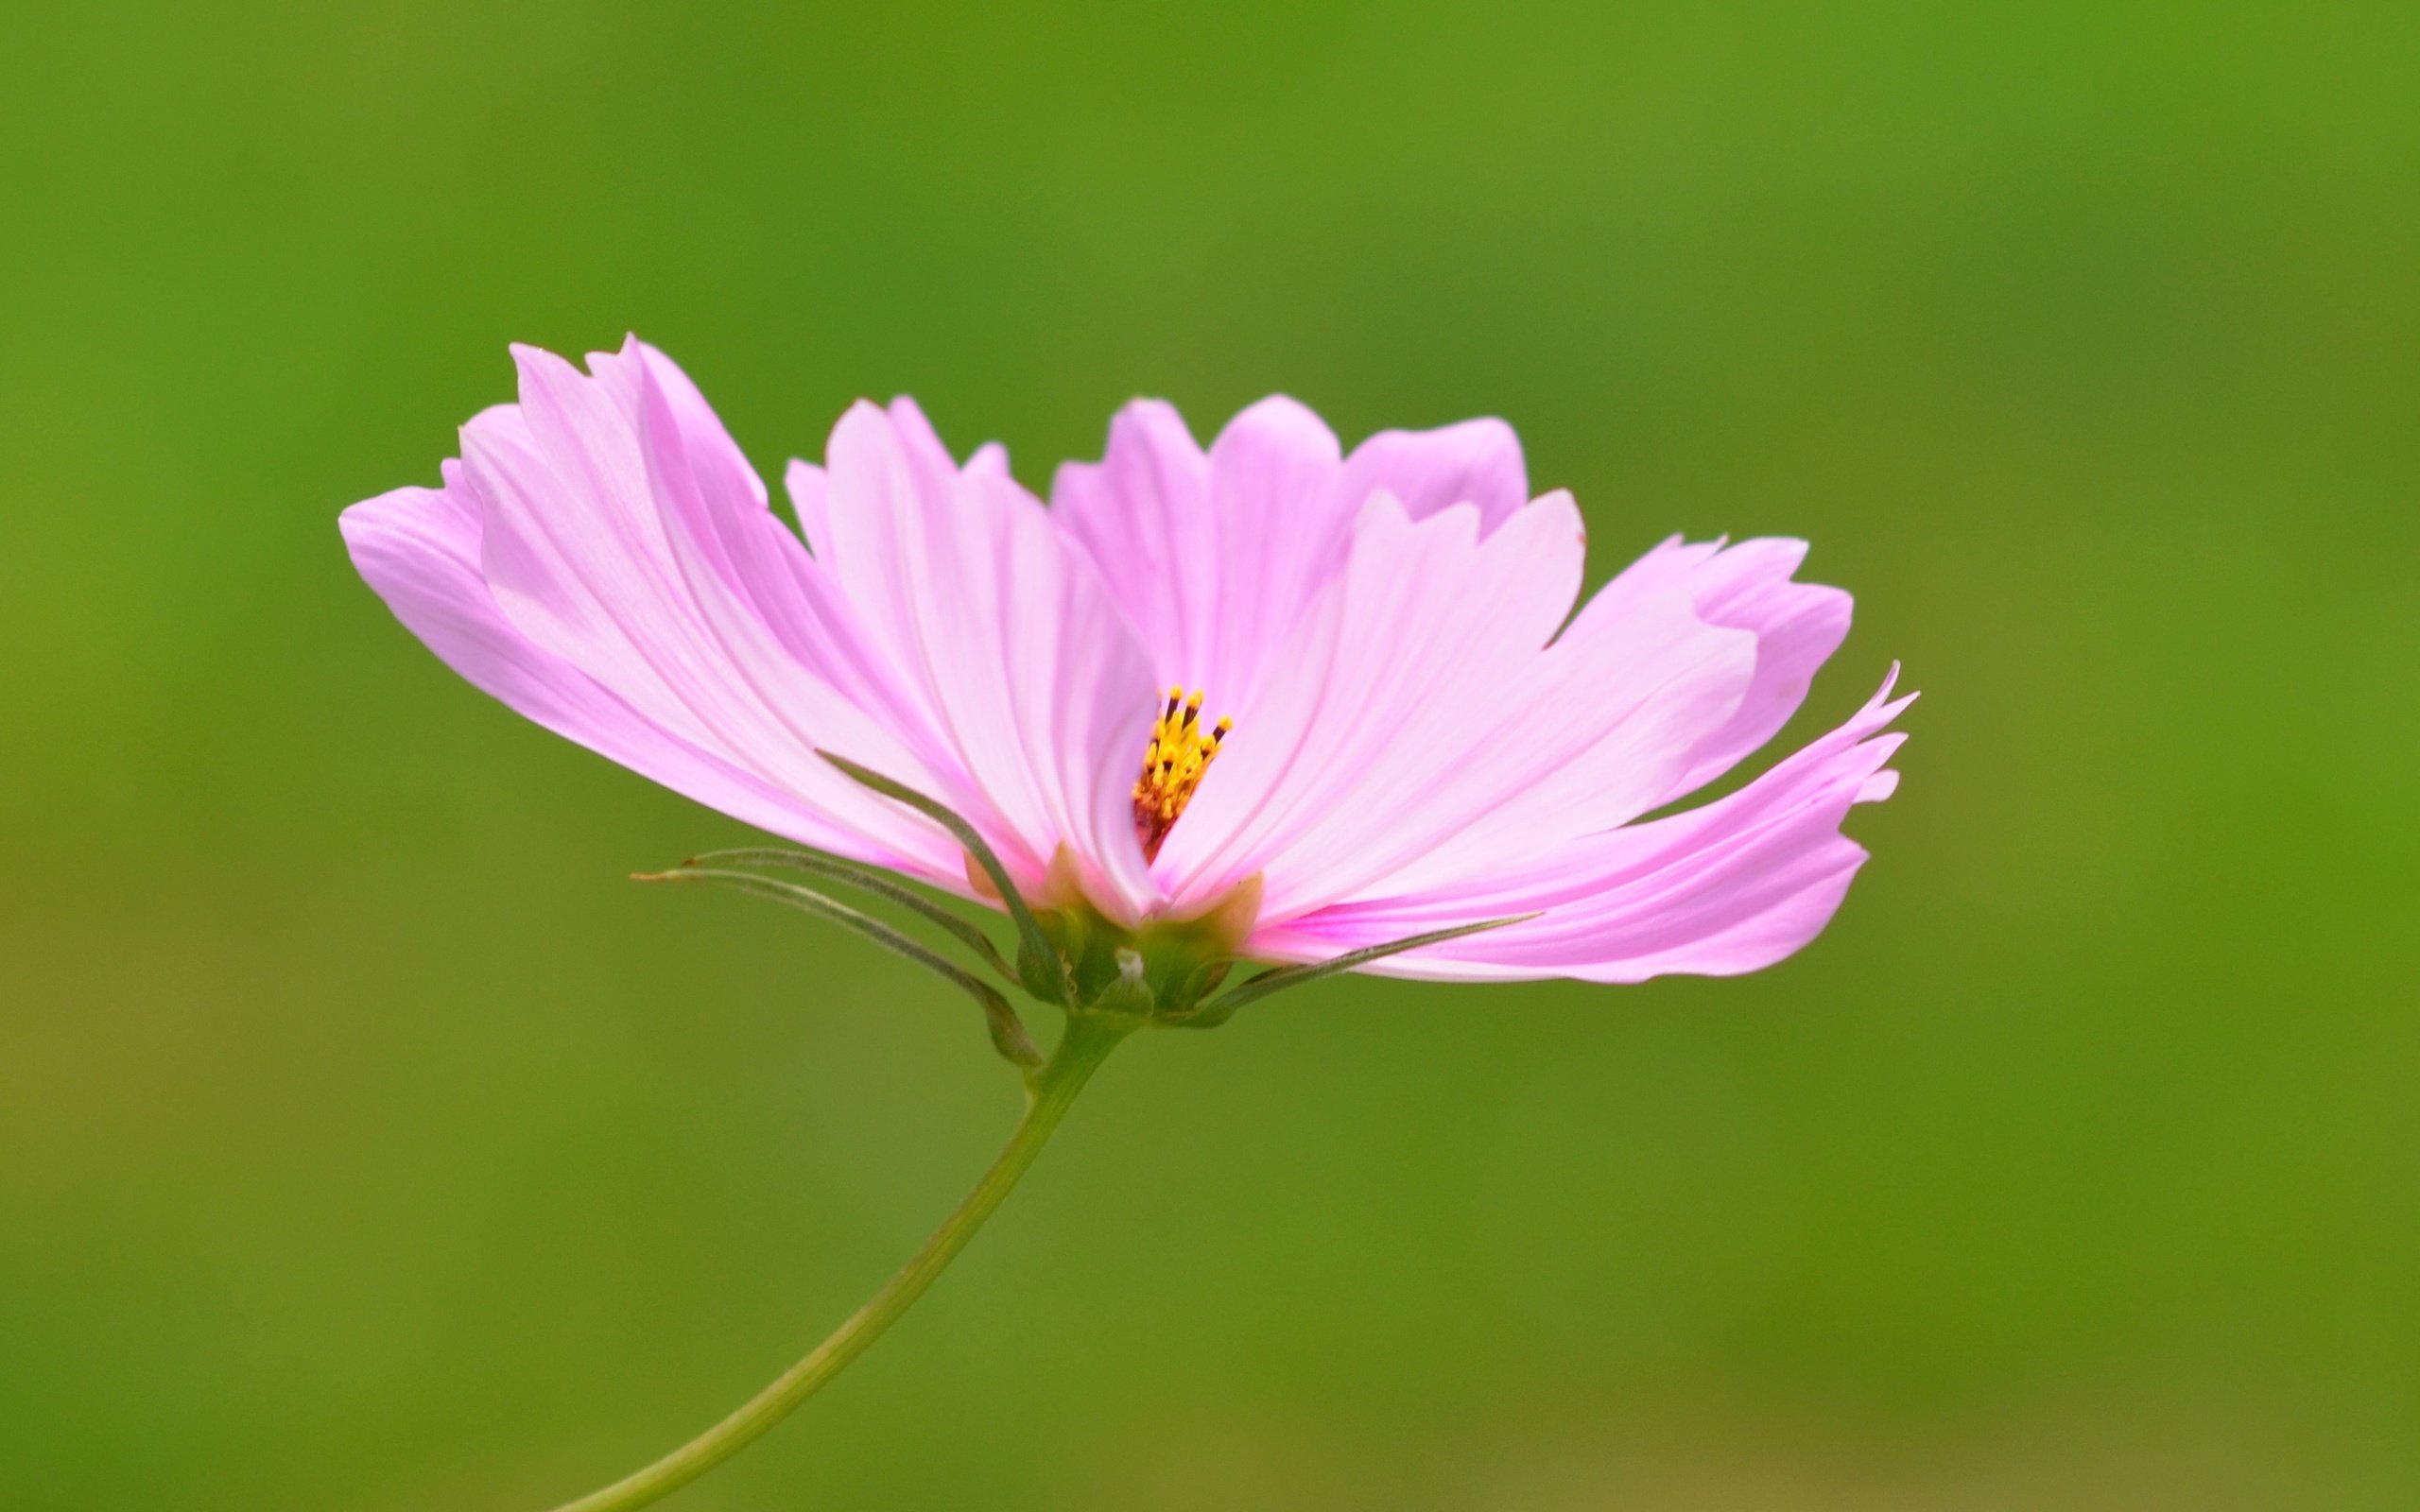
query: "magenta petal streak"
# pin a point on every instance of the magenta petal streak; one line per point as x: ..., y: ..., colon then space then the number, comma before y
x: 1425, y: 733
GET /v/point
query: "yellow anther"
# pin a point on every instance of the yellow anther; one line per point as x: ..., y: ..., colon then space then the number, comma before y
x: 1179, y: 751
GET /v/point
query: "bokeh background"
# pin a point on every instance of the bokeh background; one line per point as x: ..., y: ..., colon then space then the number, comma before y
x: 366, y: 1142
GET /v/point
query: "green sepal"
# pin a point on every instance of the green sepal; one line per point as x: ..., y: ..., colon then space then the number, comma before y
x: 1207, y: 1016
x: 1129, y: 995
x: 1007, y: 1030
x: 1205, y: 981
x: 1219, y: 1009
x: 867, y: 879
x: 1039, y: 970
x: 1183, y: 958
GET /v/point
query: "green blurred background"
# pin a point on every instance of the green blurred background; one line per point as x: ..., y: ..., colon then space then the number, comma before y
x: 366, y: 1142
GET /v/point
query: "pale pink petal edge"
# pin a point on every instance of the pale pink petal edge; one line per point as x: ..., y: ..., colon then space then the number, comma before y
x: 1716, y: 891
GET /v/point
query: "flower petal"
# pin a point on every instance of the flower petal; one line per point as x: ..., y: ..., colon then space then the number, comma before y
x: 1011, y: 659
x: 1214, y: 557
x: 1748, y: 587
x: 420, y: 549
x: 803, y: 482
x: 617, y: 540
x: 1477, y: 462
x: 1420, y: 727
x: 1727, y: 888
x: 1142, y: 514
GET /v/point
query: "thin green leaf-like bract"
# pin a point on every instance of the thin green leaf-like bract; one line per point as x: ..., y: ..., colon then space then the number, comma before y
x: 1007, y: 1030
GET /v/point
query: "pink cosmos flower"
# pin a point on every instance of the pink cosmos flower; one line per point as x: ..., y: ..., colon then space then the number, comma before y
x: 1413, y: 730
x: 1269, y: 701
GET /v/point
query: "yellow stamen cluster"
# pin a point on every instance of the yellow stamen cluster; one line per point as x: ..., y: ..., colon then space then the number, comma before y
x: 1180, y: 750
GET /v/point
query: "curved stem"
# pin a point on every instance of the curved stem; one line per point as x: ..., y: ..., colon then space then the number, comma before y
x: 1087, y: 1042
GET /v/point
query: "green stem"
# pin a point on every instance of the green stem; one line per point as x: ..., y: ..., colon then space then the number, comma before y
x: 1089, y: 1040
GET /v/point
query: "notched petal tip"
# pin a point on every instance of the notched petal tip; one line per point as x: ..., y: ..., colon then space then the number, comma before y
x: 1478, y: 462
x: 1272, y: 438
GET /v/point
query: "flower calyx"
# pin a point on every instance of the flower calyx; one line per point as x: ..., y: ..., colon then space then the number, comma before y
x: 1164, y: 972
x: 1160, y: 970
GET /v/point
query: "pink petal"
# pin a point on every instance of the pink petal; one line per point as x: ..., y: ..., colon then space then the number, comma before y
x: 1216, y: 557
x: 1212, y: 558
x: 1477, y: 462
x: 419, y: 549
x: 1010, y: 657
x: 639, y: 570
x: 1748, y: 587
x: 1142, y: 514
x: 804, y: 483
x: 1420, y: 727
x: 1730, y: 887
x: 763, y: 596
x: 603, y: 559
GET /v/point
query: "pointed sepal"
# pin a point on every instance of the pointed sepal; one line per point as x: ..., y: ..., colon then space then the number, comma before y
x: 1007, y: 1029
x: 1222, y: 1007
x: 867, y: 879
x: 1040, y: 971
x: 1129, y: 995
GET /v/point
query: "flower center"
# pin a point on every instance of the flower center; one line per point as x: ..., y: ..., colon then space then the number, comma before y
x: 1180, y: 750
